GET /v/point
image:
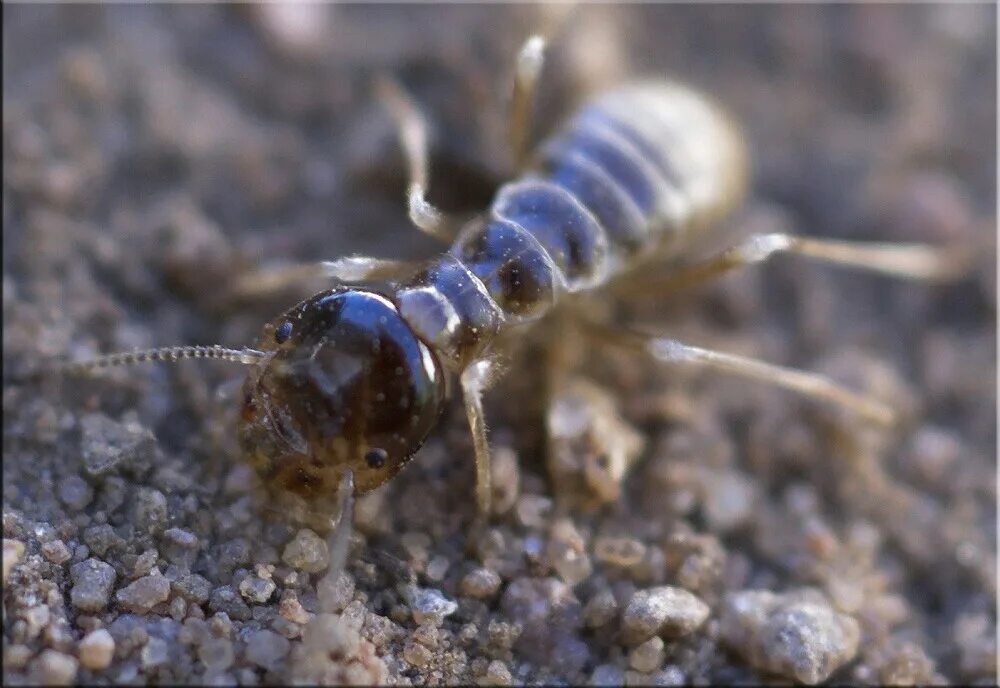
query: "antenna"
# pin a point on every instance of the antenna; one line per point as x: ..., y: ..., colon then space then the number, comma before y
x: 169, y: 354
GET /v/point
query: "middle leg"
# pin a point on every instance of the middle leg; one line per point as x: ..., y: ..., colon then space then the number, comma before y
x: 349, y: 269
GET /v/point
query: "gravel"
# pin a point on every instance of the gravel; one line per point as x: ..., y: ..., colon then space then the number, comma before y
x: 430, y: 606
x: 143, y: 594
x: 648, y: 656
x: 75, y: 492
x: 193, y: 588
x: 798, y: 635
x: 225, y: 599
x: 93, y: 581
x: 306, y: 552
x: 97, y: 649
x: 55, y: 668
x: 257, y: 590
x: 108, y: 446
x: 266, y: 649
x: 666, y: 610
x: 480, y: 583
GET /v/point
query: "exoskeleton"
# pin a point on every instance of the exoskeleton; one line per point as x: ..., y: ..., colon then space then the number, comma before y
x: 344, y: 387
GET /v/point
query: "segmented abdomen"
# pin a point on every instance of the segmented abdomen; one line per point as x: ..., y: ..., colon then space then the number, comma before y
x: 635, y: 168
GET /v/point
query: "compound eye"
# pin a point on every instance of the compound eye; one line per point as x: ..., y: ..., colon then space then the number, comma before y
x: 376, y: 458
x: 283, y: 332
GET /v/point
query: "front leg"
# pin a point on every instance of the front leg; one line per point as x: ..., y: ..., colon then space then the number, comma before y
x: 474, y: 380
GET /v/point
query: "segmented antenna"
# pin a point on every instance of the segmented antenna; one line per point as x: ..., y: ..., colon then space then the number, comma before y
x: 169, y: 354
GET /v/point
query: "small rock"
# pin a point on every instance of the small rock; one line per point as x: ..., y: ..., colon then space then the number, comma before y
x: 101, y: 538
x: 333, y: 653
x: 144, y: 594
x: 532, y: 510
x: 97, y: 649
x: 306, y: 552
x: 225, y: 599
x: 257, y: 589
x: 56, y: 551
x: 568, y: 654
x: 154, y: 652
x: 648, y: 656
x: 180, y: 546
x: 502, y: 634
x: 636, y: 678
x: 13, y: 550
x: 902, y: 663
x: 497, y: 674
x: 193, y: 588
x: 669, y: 676
x: 108, y: 446
x: 427, y: 635
x: 696, y: 562
x: 481, y: 583
x: 607, y: 675
x: 145, y: 563
x: 622, y: 552
x: 216, y: 654
x: 150, y: 510
x: 591, y: 446
x: 796, y: 634
x: 16, y: 656
x: 93, y: 581
x: 291, y: 609
x: 334, y: 595
x: 429, y: 606
x: 437, y: 568
x: 233, y: 553
x: 36, y: 618
x: 55, y: 668
x: 549, y: 615
x: 663, y: 610
x: 74, y: 492
x: 266, y: 649
x: 416, y: 654
x: 729, y: 498
x: 600, y: 609
x: 567, y: 552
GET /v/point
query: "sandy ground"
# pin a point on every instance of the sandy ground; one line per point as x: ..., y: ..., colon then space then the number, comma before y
x: 153, y: 154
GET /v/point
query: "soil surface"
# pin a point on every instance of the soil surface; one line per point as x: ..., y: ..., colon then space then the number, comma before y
x: 682, y: 528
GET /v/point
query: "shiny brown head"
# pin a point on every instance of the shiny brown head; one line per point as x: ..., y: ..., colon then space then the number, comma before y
x: 344, y: 383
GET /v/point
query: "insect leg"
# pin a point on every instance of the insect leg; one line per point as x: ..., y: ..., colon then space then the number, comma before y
x: 474, y: 380
x: 340, y: 536
x: 527, y: 70
x: 412, y: 130
x: 671, y: 351
x: 910, y: 261
x: 349, y: 269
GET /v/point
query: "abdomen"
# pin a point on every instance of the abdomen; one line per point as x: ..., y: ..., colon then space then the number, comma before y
x: 636, y: 167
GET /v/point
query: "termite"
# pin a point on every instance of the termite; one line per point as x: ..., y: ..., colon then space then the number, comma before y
x: 345, y: 386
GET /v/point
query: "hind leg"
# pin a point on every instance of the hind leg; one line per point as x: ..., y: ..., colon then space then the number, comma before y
x: 673, y: 352
x: 527, y: 71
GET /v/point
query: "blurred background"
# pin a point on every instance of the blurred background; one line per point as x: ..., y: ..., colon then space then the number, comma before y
x: 152, y: 153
